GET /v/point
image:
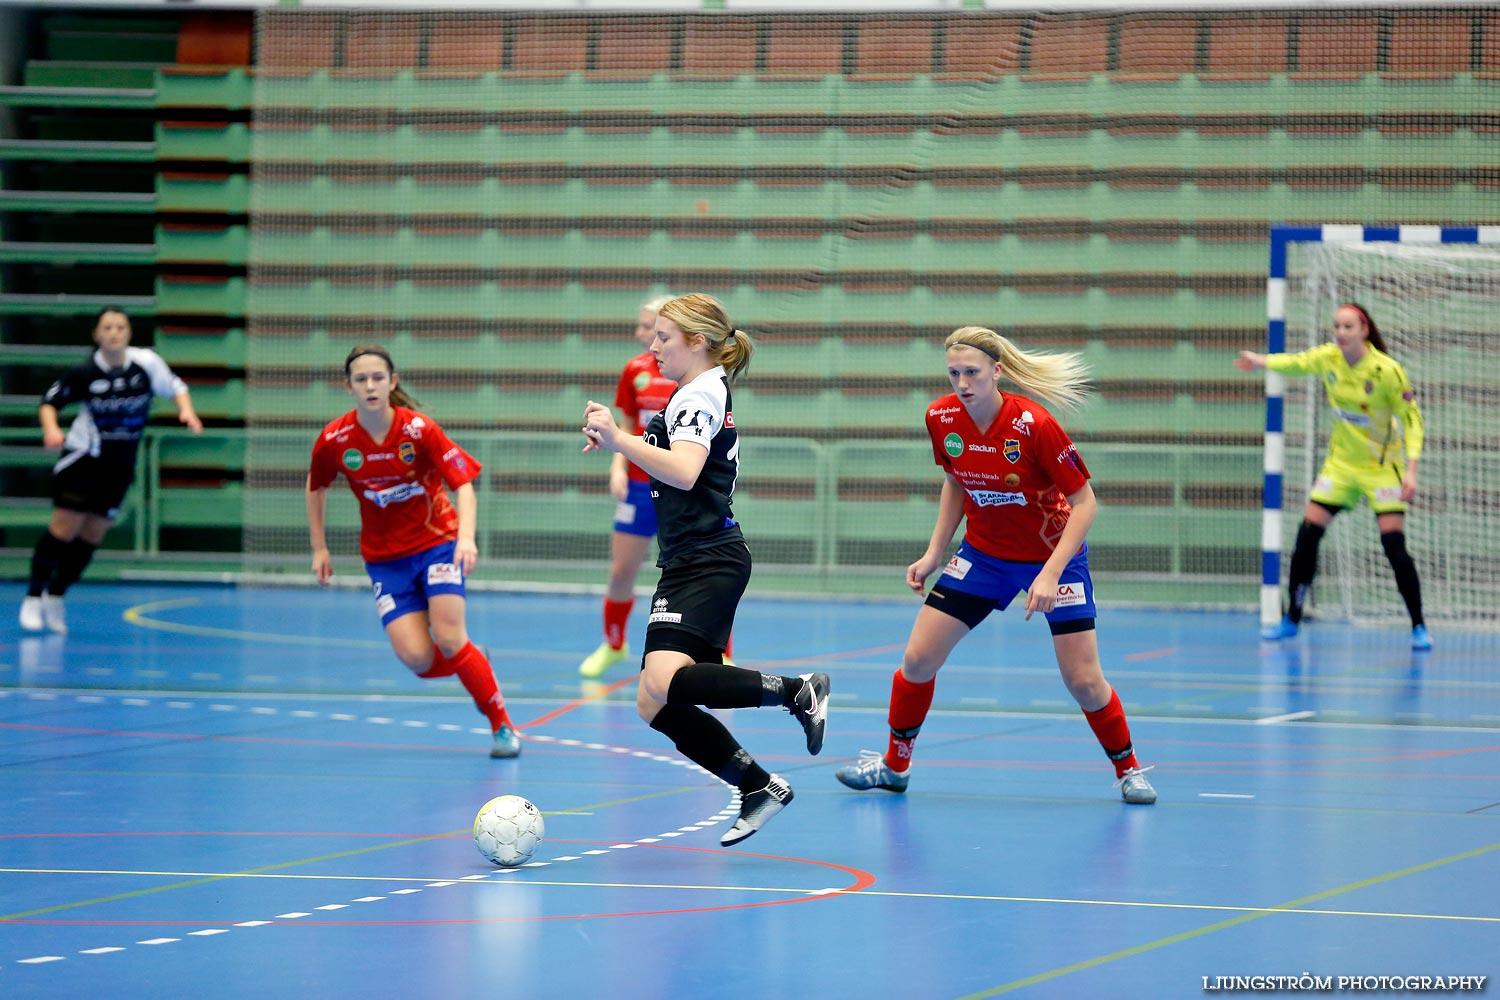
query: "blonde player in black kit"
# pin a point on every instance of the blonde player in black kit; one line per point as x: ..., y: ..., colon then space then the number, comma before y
x: 691, y: 452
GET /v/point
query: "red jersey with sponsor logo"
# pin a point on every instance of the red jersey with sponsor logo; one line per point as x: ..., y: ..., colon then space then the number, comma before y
x: 403, y: 508
x: 1016, y: 475
x: 642, y: 394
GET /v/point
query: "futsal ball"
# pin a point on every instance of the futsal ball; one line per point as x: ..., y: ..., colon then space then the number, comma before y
x: 508, y: 830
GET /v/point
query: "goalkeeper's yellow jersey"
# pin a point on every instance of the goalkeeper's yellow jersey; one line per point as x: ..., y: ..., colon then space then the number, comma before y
x: 1374, y: 405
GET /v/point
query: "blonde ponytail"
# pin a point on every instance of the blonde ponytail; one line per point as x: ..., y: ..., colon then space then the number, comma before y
x: 1060, y: 379
x: 703, y: 316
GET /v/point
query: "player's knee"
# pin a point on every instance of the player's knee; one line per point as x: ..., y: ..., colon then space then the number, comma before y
x: 450, y: 638
x: 1309, y: 535
x: 919, y: 667
x: 416, y: 657
x: 646, y: 705
x: 1394, y: 543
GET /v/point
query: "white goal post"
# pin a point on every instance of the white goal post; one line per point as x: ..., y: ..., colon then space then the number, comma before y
x: 1434, y: 291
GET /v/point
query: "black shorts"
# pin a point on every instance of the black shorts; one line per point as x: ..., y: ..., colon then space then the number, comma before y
x: 90, y: 486
x: 692, y: 610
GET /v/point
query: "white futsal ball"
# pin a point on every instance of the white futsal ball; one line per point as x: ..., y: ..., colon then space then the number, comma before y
x: 508, y: 830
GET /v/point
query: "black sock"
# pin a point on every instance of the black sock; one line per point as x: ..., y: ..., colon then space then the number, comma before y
x: 1304, y: 568
x: 74, y: 561
x: 1405, y: 568
x: 45, y: 559
x: 702, y: 739
x: 714, y: 685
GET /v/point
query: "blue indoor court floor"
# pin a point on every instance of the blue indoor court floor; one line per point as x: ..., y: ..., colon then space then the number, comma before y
x: 230, y: 792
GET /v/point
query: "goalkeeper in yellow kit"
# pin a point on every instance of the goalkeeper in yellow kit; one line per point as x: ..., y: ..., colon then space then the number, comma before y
x: 1377, y: 439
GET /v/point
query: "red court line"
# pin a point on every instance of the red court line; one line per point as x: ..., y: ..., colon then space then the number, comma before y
x: 578, y: 703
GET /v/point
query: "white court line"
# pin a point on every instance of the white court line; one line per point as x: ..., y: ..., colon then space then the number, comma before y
x: 1272, y: 720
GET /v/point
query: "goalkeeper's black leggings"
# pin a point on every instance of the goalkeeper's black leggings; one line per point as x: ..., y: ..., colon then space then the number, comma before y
x: 1305, y: 566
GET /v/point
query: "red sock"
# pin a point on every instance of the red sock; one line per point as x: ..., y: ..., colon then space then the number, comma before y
x: 1113, y: 733
x: 616, y: 614
x: 909, y: 705
x: 729, y: 647
x: 441, y: 666
x: 478, y: 678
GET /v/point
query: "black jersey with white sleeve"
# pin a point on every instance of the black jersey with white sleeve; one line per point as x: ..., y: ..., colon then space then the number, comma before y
x: 114, y: 404
x: 695, y: 518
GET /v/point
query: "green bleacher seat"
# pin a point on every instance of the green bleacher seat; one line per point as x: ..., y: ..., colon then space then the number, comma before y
x: 77, y: 150
x: 227, y: 194
x: 89, y: 73
x: 27, y: 304
x: 63, y: 254
x: 112, y: 202
x: 114, y: 98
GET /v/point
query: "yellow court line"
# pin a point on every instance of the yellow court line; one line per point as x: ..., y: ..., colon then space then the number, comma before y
x: 1291, y: 906
x: 216, y: 878
x: 1252, y: 910
x: 307, y: 861
x: 137, y: 616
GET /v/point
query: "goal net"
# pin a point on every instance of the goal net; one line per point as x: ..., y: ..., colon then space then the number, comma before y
x: 1436, y: 305
x: 492, y: 194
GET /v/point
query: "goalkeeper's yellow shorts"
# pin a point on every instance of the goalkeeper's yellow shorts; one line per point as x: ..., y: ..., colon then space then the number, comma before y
x: 1340, y: 484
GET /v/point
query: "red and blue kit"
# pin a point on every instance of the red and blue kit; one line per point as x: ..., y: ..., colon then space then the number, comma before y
x: 1016, y: 476
x: 403, y: 506
x: 641, y: 394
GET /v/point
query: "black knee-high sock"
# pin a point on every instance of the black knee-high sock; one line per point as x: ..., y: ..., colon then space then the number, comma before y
x: 702, y: 739
x: 1304, y: 568
x: 1405, y: 568
x: 45, y: 559
x: 714, y: 685
x: 74, y: 561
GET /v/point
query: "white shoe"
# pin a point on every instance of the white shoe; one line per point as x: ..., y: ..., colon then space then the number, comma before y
x: 54, y: 614
x: 31, y: 614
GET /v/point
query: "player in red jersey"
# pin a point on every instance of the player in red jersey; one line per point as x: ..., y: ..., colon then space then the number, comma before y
x: 416, y: 545
x: 641, y: 394
x: 1014, y: 475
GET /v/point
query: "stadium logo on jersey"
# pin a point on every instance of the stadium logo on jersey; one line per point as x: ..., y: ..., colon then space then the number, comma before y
x: 353, y: 459
x: 642, y: 379
x: 995, y: 498
x: 1012, y: 450
x: 988, y: 449
x: 698, y: 421
x: 408, y: 452
x: 953, y: 445
x: 1070, y: 594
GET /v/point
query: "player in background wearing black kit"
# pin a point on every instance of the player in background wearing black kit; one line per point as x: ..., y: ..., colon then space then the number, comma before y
x: 114, y: 390
x: 690, y: 449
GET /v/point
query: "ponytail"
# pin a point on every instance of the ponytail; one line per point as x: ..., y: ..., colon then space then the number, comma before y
x: 703, y: 316
x: 1061, y: 379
